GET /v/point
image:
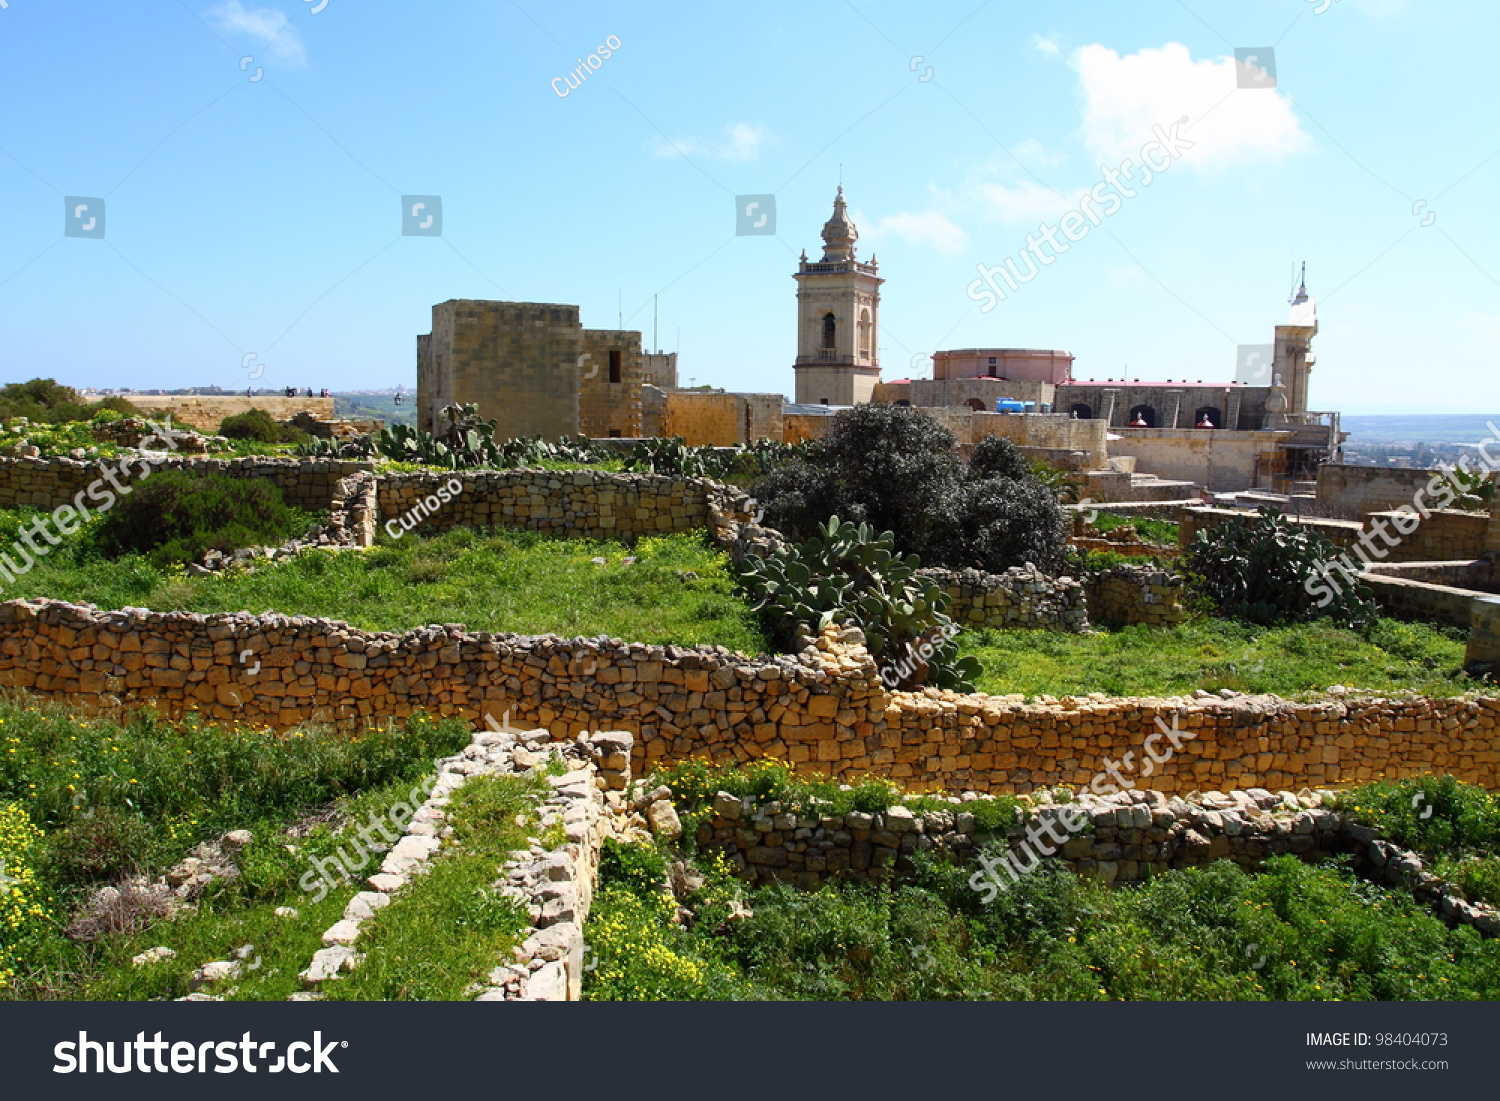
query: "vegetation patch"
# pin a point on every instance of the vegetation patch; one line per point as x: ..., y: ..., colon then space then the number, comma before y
x: 897, y: 469
x: 106, y: 804
x: 1297, y: 661
x: 176, y: 517
x: 448, y: 928
x: 675, y: 589
x: 1454, y: 826
x: 1258, y: 569
x: 1291, y: 933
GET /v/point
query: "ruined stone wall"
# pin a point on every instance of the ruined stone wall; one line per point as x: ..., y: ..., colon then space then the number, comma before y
x: 1222, y: 461
x: 1479, y: 574
x: 1406, y: 598
x: 1484, y: 635
x: 1124, y: 596
x: 824, y: 709
x: 207, y: 413
x: 1122, y: 838
x: 1021, y: 598
x: 1364, y: 489
x: 1445, y: 536
x: 48, y: 483
x: 574, y: 503
x: 1343, y: 534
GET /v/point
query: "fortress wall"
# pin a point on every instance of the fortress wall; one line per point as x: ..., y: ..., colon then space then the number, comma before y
x: 824, y: 709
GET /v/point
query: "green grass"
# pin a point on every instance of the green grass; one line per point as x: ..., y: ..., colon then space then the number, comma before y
x: 114, y: 799
x: 1454, y: 826
x: 1293, y: 932
x: 448, y: 928
x: 1151, y: 531
x: 1212, y: 654
x: 679, y: 590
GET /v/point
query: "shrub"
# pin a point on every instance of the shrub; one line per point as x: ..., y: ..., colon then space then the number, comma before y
x: 105, y: 844
x: 260, y: 426
x: 1256, y: 568
x: 176, y: 517
x: 45, y: 401
x: 844, y: 574
x: 896, y: 469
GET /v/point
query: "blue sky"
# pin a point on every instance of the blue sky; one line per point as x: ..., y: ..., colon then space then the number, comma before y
x: 263, y: 217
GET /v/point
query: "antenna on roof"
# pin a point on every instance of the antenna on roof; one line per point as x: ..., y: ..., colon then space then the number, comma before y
x: 655, y: 344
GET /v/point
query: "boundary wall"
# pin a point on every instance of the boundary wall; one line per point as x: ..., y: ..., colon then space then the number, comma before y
x: 824, y: 709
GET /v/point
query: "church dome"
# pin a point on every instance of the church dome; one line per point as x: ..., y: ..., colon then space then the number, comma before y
x: 839, y: 233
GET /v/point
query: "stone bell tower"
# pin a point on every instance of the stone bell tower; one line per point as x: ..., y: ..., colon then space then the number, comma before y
x: 838, y: 319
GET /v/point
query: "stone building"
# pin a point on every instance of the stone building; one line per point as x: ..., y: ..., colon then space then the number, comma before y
x: 838, y: 319
x: 532, y: 367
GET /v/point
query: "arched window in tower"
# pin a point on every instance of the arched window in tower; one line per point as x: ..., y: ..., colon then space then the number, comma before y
x: 830, y: 332
x: 865, y: 334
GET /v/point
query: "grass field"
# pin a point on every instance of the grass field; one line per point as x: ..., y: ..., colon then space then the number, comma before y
x: 678, y: 589
x: 1290, y: 932
x: 1213, y: 654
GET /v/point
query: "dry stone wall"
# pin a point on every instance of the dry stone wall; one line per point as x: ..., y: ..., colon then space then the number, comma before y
x: 1021, y: 598
x: 1130, y: 595
x: 574, y: 503
x: 48, y: 483
x: 824, y: 709
x: 1122, y: 838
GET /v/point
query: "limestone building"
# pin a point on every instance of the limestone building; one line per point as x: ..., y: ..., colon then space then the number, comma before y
x: 838, y: 319
x: 532, y: 367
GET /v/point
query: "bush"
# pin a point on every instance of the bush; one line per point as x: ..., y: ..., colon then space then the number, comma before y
x: 1256, y: 568
x: 844, y: 574
x: 45, y: 401
x: 896, y: 469
x: 260, y: 426
x: 177, y: 517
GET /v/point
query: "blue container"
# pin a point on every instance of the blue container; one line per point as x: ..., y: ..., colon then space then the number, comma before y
x: 1006, y: 405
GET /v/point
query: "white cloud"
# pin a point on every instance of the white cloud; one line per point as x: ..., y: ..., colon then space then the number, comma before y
x: 927, y: 228
x: 268, y: 26
x: 1047, y: 47
x: 677, y: 147
x: 741, y: 142
x: 1022, y: 203
x: 1125, y: 97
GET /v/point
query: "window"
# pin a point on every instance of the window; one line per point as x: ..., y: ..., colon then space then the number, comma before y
x: 1082, y: 412
x: 1142, y: 416
x: 975, y: 404
x: 614, y: 365
x: 614, y: 433
x: 830, y: 332
x: 1210, y: 414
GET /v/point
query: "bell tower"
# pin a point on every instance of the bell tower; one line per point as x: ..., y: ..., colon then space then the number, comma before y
x: 838, y: 319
